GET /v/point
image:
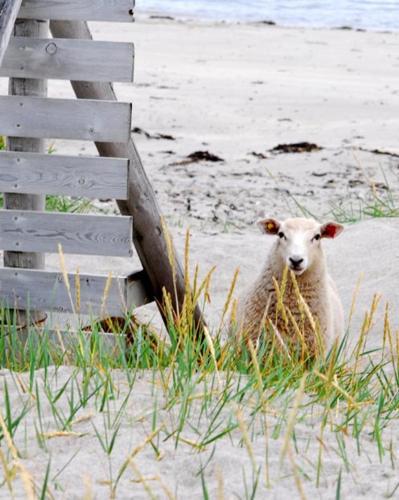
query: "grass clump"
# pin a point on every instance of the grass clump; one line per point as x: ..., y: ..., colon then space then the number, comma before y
x: 380, y: 204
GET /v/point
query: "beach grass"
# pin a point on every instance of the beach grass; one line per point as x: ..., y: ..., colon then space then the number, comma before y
x: 284, y: 413
x: 377, y: 204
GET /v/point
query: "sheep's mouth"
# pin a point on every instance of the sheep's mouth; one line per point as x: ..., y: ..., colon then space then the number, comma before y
x: 298, y: 270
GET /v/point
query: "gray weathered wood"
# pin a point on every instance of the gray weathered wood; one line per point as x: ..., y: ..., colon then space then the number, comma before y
x: 79, y: 234
x: 8, y: 14
x: 26, y: 87
x: 82, y: 119
x: 149, y: 238
x: 69, y: 60
x: 89, y: 177
x: 41, y: 290
x: 79, y: 10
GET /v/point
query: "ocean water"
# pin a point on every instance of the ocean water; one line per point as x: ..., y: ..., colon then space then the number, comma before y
x: 366, y: 14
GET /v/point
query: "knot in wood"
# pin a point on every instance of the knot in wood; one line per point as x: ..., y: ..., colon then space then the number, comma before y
x: 51, y: 48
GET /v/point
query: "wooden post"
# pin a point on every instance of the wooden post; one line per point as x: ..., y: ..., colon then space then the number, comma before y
x: 148, y: 236
x: 37, y: 88
x: 8, y: 14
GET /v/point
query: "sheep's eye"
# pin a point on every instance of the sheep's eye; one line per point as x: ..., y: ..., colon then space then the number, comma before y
x: 281, y: 235
x: 317, y: 237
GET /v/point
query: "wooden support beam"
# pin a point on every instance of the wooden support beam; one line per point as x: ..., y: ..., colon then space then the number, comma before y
x: 26, y: 87
x: 8, y: 14
x: 149, y: 239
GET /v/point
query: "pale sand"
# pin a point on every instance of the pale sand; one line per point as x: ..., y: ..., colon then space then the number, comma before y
x: 234, y: 90
x: 80, y: 466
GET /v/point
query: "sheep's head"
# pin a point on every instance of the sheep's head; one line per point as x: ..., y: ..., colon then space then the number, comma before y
x: 299, y: 240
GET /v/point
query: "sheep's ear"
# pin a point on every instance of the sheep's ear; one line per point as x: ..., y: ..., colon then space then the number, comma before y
x: 331, y: 230
x: 269, y: 226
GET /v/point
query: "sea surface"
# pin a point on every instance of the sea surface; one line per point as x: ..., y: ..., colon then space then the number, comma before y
x: 365, y: 14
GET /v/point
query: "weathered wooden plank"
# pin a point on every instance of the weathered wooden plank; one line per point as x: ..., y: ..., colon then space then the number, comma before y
x: 78, y: 10
x: 46, y: 291
x: 8, y: 14
x: 82, y: 119
x: 69, y: 60
x: 79, y: 234
x: 89, y: 177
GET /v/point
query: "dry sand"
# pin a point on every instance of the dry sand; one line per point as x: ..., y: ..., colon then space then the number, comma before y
x: 80, y: 467
x: 237, y: 91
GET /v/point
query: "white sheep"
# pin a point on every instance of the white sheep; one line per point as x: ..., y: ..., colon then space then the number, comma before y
x: 298, y: 248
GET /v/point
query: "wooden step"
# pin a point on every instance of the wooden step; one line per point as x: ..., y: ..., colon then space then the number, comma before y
x: 64, y: 59
x: 78, y: 10
x: 34, y: 231
x: 80, y: 119
x: 88, y: 177
x: 95, y: 295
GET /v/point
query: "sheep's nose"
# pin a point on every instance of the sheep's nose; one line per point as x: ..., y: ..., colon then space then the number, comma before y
x: 296, y: 261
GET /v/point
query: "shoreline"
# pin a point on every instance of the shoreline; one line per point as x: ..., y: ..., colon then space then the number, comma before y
x: 156, y: 15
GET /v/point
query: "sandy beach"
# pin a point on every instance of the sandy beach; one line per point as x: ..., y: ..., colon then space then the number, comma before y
x: 248, y: 90
x: 217, y: 111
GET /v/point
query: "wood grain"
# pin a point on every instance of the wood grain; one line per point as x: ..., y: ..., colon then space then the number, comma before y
x: 69, y: 60
x: 8, y: 14
x: 81, y: 119
x: 89, y: 177
x: 79, y: 234
x: 79, y: 10
x: 40, y: 290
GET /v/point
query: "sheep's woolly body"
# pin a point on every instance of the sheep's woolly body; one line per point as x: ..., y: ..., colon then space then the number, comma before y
x: 260, y: 305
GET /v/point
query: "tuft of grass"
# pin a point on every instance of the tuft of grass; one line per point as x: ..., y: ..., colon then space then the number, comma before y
x: 67, y: 204
x: 379, y: 203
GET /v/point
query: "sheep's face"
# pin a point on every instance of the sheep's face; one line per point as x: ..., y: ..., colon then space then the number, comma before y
x: 299, y: 240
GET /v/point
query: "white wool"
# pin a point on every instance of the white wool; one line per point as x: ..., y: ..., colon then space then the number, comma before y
x: 258, y: 306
